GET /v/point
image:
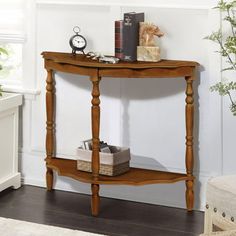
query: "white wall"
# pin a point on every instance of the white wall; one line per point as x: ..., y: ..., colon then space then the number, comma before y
x: 146, y: 115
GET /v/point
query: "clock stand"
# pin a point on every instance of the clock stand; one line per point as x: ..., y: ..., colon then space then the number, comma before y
x: 80, y: 64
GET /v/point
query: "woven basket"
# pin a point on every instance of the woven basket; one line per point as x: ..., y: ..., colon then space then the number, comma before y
x: 109, y: 170
x: 111, y: 164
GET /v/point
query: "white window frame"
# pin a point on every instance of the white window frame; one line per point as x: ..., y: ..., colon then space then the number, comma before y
x: 28, y: 84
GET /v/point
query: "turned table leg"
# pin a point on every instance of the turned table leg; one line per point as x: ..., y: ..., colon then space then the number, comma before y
x: 95, y: 110
x: 50, y: 125
x: 95, y: 201
x: 189, y: 112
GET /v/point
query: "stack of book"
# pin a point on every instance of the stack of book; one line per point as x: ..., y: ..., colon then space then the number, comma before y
x: 127, y: 36
x: 87, y: 145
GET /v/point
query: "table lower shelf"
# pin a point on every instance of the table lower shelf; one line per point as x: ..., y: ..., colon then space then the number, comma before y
x: 135, y: 176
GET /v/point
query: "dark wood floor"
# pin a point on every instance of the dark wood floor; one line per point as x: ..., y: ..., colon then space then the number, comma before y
x: 116, y: 217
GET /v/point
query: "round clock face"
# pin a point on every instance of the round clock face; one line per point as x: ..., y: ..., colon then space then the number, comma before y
x: 79, y: 42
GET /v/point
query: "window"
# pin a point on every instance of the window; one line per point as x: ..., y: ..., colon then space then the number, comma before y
x: 11, y: 38
x: 11, y: 72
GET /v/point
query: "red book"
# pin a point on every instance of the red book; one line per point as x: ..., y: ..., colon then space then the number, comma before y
x: 119, y: 39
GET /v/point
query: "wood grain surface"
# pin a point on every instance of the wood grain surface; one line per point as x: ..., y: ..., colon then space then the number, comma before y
x: 80, y: 64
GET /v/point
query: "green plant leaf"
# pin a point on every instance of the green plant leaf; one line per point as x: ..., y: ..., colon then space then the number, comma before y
x: 233, y: 108
x: 3, y: 51
x: 224, y: 6
x: 215, y: 36
x: 231, y: 20
x: 230, y: 44
x: 223, y: 88
x: 228, y: 68
x: 227, y: 44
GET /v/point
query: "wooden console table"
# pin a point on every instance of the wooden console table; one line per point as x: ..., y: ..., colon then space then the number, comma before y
x: 79, y: 64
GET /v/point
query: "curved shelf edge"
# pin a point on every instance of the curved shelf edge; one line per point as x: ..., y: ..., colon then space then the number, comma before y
x: 82, y: 60
x: 135, y: 176
x: 66, y: 167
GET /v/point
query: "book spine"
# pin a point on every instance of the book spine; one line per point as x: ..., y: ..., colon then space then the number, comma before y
x: 131, y: 35
x: 119, y: 39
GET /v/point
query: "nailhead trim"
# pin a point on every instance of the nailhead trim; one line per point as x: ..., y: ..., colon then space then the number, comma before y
x: 232, y: 219
x: 207, y: 206
x: 223, y: 214
x: 215, y: 209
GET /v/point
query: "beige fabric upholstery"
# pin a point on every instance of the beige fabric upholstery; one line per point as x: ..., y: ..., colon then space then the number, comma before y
x: 221, y: 205
x: 222, y: 233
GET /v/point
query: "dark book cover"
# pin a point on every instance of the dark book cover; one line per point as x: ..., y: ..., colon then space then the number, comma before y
x: 131, y: 35
x: 119, y: 39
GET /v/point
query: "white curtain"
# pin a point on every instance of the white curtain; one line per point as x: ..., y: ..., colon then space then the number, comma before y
x: 12, y: 29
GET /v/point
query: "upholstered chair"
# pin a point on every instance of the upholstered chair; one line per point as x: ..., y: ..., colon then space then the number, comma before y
x: 221, y: 233
x: 220, y: 209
